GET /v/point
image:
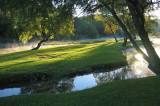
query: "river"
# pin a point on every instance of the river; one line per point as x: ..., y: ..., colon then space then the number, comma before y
x: 137, y: 68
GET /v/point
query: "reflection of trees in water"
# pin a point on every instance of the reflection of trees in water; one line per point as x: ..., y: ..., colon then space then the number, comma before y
x: 65, y: 85
x: 49, y: 87
x: 137, y: 68
x: 119, y: 74
x: 122, y: 73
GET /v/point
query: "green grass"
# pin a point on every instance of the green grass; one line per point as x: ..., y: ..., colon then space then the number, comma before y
x: 64, y: 61
x: 72, y: 42
x: 135, y: 92
x: 57, y: 62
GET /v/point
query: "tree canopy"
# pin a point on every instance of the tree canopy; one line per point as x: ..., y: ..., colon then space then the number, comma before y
x: 64, y: 9
x: 137, y: 9
x: 38, y: 18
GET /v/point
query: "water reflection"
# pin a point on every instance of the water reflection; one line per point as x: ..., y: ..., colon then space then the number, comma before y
x: 137, y: 68
x: 84, y: 82
x: 48, y: 87
x: 137, y: 64
x: 77, y: 83
x: 9, y: 92
x: 120, y: 74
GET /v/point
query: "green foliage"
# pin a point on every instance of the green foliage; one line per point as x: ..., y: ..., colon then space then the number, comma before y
x: 120, y: 32
x: 86, y: 27
x: 150, y: 24
x: 38, y: 17
x: 127, y: 20
x: 7, y: 31
x: 46, y: 23
x: 111, y: 29
x: 100, y: 27
x: 111, y: 26
x: 106, y: 19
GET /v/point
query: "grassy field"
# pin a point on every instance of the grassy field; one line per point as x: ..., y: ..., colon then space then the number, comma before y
x: 70, y: 60
x: 135, y: 92
x: 72, y: 42
x: 58, y: 62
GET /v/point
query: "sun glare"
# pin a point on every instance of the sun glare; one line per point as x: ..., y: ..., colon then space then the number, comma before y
x: 138, y: 72
x: 139, y: 57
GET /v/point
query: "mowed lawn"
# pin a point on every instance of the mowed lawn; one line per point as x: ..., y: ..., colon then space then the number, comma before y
x: 134, y: 92
x: 63, y: 61
x: 59, y: 62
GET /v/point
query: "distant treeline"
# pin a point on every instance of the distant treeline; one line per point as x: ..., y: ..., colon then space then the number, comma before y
x: 85, y: 27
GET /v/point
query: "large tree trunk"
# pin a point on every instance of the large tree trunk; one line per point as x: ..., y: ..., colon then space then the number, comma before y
x: 40, y: 43
x: 139, y: 20
x: 127, y: 33
x: 152, y: 58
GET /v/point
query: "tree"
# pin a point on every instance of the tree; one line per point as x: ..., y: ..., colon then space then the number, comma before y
x: 47, y: 23
x: 87, y: 27
x: 84, y: 28
x: 137, y: 9
x: 127, y: 21
x: 111, y: 25
x: 7, y: 31
x: 40, y: 18
x: 111, y: 29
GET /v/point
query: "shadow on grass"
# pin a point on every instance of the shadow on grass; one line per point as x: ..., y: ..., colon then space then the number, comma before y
x: 84, y: 60
x: 28, y: 53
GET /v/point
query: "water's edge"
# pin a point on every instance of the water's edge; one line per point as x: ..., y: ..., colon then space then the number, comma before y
x: 137, y: 68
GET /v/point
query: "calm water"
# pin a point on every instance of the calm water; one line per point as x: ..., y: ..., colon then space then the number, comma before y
x: 76, y: 83
x: 137, y: 68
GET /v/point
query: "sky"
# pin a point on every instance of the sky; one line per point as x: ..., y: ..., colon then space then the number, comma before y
x: 156, y: 13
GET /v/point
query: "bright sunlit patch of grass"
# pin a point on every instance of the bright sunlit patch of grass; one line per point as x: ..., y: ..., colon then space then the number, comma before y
x: 61, y: 61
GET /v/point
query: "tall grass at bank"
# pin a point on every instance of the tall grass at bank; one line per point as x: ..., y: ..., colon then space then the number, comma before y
x: 59, y: 61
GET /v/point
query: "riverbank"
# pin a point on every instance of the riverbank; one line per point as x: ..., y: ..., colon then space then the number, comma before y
x: 78, y: 59
x: 134, y: 92
x: 58, y: 62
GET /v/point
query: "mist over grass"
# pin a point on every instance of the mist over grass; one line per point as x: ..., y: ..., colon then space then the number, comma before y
x: 61, y: 61
x: 16, y: 47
